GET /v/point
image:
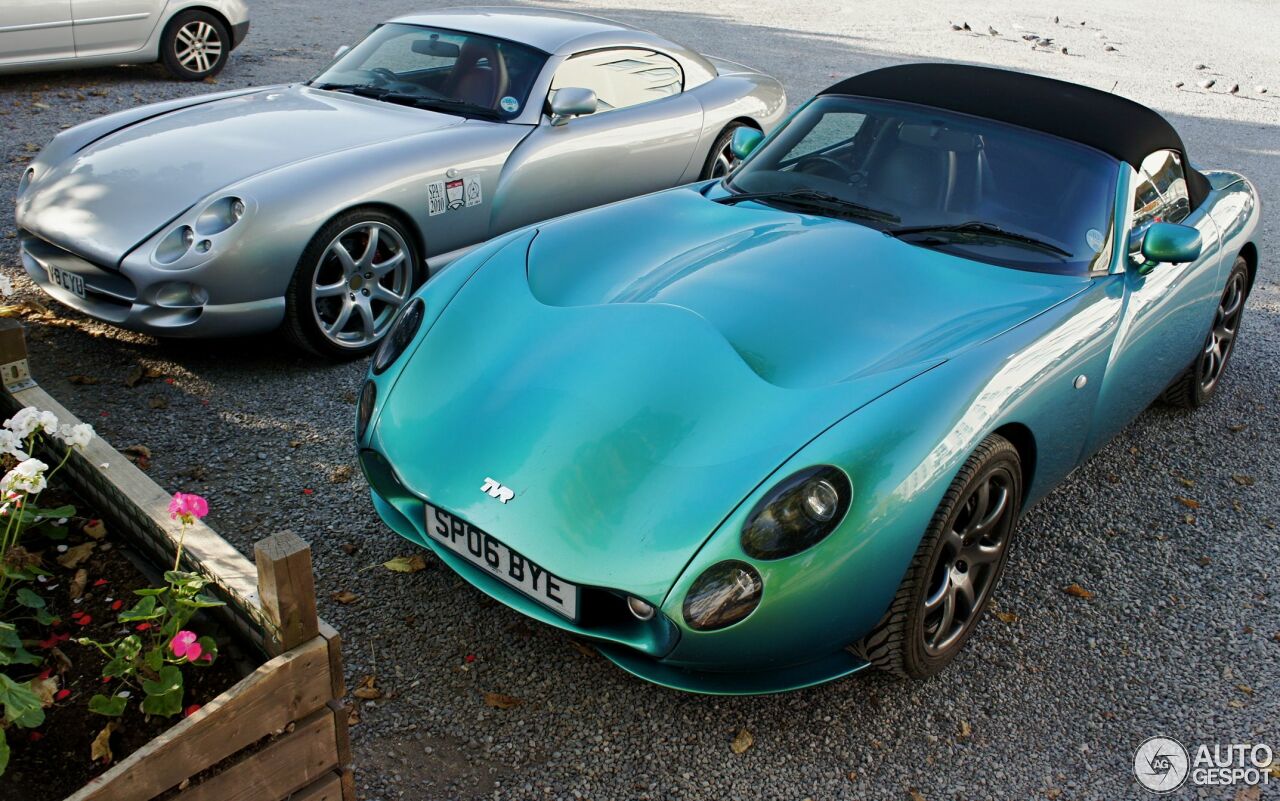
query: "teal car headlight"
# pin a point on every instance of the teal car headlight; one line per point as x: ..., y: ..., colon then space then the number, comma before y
x: 798, y: 513
x: 364, y: 411
x: 401, y: 334
x: 724, y: 594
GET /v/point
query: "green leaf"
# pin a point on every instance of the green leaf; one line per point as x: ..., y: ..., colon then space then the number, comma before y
x: 44, y: 618
x: 164, y: 696
x: 145, y: 609
x: 12, y: 651
x: 129, y: 647
x: 29, y: 599
x: 58, y: 512
x: 200, y: 601
x: 151, y: 591
x: 154, y: 659
x: 21, y: 705
x: 4, y: 752
x: 112, y: 706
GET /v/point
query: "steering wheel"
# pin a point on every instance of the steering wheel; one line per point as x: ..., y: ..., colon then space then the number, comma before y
x: 384, y: 75
x: 823, y: 166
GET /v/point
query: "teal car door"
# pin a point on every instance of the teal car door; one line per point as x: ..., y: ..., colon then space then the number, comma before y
x: 1167, y: 308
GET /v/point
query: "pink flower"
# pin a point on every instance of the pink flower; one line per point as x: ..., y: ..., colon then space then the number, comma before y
x: 184, y: 644
x: 189, y: 507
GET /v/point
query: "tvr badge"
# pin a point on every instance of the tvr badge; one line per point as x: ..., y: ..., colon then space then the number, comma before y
x: 496, y: 490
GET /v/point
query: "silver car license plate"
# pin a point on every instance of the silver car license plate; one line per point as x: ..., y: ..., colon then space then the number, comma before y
x: 68, y: 281
x: 498, y: 560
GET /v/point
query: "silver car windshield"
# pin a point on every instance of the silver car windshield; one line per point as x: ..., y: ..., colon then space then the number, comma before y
x: 464, y: 73
x: 970, y: 186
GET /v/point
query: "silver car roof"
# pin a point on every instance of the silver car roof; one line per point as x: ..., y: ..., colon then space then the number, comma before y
x: 554, y: 32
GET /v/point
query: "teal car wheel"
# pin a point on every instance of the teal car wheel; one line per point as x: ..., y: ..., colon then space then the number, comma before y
x: 1196, y: 386
x: 956, y: 567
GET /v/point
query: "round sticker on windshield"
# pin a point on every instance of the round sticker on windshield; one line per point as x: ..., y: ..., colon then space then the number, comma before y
x: 509, y: 104
x: 1094, y: 237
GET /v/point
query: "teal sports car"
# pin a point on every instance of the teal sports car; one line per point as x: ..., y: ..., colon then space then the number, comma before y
x: 758, y: 433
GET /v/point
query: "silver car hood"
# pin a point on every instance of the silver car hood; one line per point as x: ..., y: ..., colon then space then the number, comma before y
x: 111, y: 195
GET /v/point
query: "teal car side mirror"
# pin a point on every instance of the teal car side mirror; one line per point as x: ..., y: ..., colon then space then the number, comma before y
x: 1169, y: 242
x: 744, y: 142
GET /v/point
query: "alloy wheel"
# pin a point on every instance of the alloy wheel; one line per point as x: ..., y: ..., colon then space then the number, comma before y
x: 362, y: 279
x: 725, y: 162
x: 968, y: 560
x: 1222, y: 337
x: 198, y: 46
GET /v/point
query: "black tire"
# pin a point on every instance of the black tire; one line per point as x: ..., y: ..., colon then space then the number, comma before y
x: 319, y: 267
x: 195, y: 45
x: 1196, y: 385
x: 901, y: 643
x: 717, y: 165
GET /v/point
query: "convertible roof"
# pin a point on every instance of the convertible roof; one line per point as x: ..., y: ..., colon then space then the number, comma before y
x: 546, y: 30
x: 1116, y: 125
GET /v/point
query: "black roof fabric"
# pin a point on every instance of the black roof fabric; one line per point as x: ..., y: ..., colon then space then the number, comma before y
x: 1115, y: 125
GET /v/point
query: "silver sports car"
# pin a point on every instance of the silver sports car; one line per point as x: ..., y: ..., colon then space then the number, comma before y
x: 318, y: 207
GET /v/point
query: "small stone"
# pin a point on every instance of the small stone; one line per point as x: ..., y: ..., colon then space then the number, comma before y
x: 1064, y: 52
x: 1178, y: 84
x: 1260, y: 89
x: 1207, y: 83
x: 1109, y: 49
x: 1202, y: 66
x: 1235, y: 89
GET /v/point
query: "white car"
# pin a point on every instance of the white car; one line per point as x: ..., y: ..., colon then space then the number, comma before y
x: 191, y: 37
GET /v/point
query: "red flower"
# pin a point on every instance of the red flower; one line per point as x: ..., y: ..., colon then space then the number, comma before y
x: 62, y: 695
x: 44, y: 674
x: 117, y: 605
x: 100, y: 583
x: 36, y: 736
x: 308, y: 491
x: 106, y: 679
x: 84, y: 620
x: 142, y: 627
x: 469, y: 658
x: 168, y: 380
x: 52, y: 640
x: 191, y: 710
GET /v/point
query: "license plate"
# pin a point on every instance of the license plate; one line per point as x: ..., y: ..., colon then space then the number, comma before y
x: 498, y: 560
x: 68, y: 281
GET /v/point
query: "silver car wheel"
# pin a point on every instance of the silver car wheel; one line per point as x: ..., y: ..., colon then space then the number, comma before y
x: 725, y: 162
x: 198, y: 46
x: 362, y: 279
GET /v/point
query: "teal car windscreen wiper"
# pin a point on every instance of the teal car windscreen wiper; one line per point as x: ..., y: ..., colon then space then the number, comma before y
x: 813, y: 198
x: 981, y: 229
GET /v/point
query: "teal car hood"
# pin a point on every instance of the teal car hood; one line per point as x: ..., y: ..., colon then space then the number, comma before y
x: 616, y: 391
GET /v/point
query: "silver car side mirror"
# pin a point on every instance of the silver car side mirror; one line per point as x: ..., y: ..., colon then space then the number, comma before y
x: 572, y: 101
x: 341, y: 51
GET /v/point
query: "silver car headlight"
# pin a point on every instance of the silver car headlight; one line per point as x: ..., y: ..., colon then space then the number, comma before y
x: 175, y: 244
x: 219, y: 215
x: 28, y: 175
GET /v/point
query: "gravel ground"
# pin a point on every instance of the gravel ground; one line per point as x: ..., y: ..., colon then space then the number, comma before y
x: 1182, y: 636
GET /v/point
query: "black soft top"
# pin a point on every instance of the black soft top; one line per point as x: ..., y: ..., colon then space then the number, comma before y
x: 1115, y: 125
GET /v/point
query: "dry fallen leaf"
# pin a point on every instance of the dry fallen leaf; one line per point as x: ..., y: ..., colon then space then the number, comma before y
x: 95, y: 528
x: 1005, y: 617
x: 501, y: 701
x: 340, y: 474
x: 101, y: 747
x: 1242, y: 479
x: 852, y: 775
x: 1077, y: 591
x: 582, y: 648
x: 157, y: 402
x: 345, y: 597
x: 82, y: 380
x: 78, y: 583
x: 1190, y: 503
x: 76, y: 554
x: 1205, y: 561
x: 1186, y: 482
x: 1237, y: 428
x: 1244, y: 688
x: 350, y: 548
x: 1252, y: 792
x: 407, y: 564
x: 1053, y: 794
x: 965, y: 731
x: 742, y: 741
x: 915, y: 794
x: 61, y: 663
x: 367, y: 689
x: 45, y: 689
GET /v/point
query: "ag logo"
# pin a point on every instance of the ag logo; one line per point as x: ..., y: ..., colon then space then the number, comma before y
x: 1161, y: 764
x: 504, y: 494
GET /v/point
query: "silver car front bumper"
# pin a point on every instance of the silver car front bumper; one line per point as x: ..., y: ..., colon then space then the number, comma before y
x: 147, y: 300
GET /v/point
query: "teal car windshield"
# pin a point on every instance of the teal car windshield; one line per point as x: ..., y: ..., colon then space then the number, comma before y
x: 443, y: 70
x: 973, y: 187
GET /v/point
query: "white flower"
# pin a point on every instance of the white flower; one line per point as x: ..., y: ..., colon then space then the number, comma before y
x: 31, y: 419
x: 6, y: 286
x: 11, y: 443
x: 77, y: 436
x: 27, y: 477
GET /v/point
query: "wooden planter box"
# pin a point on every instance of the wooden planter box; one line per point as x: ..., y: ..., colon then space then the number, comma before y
x: 294, y: 698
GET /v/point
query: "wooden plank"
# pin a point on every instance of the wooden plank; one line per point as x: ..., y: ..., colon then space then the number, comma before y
x: 348, y: 778
x: 332, y: 637
x: 286, y: 590
x: 327, y: 788
x: 292, y: 761
x: 285, y: 689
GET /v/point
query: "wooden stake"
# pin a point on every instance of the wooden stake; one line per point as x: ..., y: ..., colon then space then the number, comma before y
x: 286, y: 590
